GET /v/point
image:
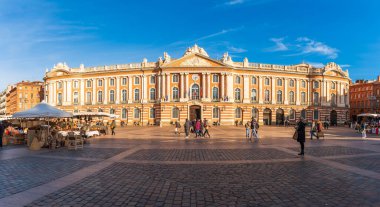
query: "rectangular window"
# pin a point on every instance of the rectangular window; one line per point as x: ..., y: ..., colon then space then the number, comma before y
x: 215, y: 78
x: 124, y: 81
x: 137, y: 80
x: 88, y: 84
x: 100, y: 83
x: 112, y: 82
x: 75, y: 84
x: 175, y: 78
x: 152, y: 79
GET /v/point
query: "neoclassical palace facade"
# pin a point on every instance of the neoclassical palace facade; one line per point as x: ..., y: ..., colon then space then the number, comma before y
x: 197, y: 86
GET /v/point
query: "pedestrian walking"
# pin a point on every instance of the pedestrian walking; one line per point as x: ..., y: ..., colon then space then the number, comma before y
x: 254, y: 129
x: 206, y: 128
x: 363, y: 129
x: 177, y: 128
x: 247, y: 130
x: 197, y: 128
x: 2, y: 129
x: 300, y: 128
x: 187, y: 126
x: 113, y: 126
x: 313, y: 130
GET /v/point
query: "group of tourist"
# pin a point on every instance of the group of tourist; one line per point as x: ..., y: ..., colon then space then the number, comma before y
x: 197, y: 126
x: 369, y: 127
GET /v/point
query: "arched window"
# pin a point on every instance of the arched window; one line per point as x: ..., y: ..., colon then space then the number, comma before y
x: 76, y: 98
x: 136, y: 113
x: 175, y: 113
x: 215, y: 112
x: 215, y: 94
x: 316, y: 98
x: 237, y: 94
x: 112, y: 96
x: 303, y: 113
x: 124, y: 96
x: 253, y: 95
x: 238, y: 113
x: 267, y: 95
x: 137, y: 94
x: 303, y: 97
x: 175, y: 94
x: 124, y: 113
x: 237, y: 79
x: 292, y: 114
x: 195, y: 92
x: 315, y: 114
x: 255, y: 113
x: 333, y: 99
x: 152, y: 113
x: 291, y: 83
x: 254, y: 80
x: 279, y: 96
x: 100, y: 96
x: 152, y: 94
x: 279, y: 82
x: 112, y: 111
x: 266, y: 81
x: 291, y: 97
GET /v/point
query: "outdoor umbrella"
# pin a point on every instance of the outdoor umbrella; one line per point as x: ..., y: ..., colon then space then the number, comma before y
x: 42, y: 110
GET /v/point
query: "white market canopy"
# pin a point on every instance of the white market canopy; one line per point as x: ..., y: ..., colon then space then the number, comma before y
x: 100, y: 114
x: 369, y: 115
x: 42, y: 110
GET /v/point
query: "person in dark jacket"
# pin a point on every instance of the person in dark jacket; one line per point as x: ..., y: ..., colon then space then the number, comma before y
x: 187, y: 126
x: 301, y: 135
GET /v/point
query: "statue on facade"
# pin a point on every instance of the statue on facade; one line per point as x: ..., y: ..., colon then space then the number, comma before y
x: 167, y: 57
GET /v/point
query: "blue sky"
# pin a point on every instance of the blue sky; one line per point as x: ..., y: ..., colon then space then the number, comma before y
x: 36, y: 34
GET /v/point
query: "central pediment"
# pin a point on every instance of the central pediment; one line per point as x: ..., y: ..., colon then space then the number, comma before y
x: 194, y: 60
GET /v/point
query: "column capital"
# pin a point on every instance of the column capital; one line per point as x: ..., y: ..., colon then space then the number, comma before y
x: 182, y: 73
x: 246, y: 76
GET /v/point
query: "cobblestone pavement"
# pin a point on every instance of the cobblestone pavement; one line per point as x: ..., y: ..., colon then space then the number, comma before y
x: 152, y: 167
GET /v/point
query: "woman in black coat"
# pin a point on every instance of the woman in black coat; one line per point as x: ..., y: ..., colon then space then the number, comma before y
x: 301, y: 125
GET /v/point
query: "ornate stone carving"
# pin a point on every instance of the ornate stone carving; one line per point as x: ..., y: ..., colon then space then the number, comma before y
x: 195, y: 61
x: 195, y: 49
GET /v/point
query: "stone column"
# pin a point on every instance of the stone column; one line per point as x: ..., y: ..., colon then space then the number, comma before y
x: 163, y: 89
x: 186, y: 91
x: 105, y: 92
x: 230, y: 88
x: 203, y: 86
x: 118, y: 90
x: 246, y: 89
x: 222, y: 94
x: 168, y: 87
x: 273, y: 90
x: 297, y: 93
x: 159, y: 87
x: 130, y: 90
x: 261, y: 99
x: 51, y: 93
x: 64, y: 95
x: 81, y: 92
x: 309, y: 94
x: 286, y: 93
x: 182, y: 90
x: 209, y: 89
x: 93, y: 84
x: 144, y: 89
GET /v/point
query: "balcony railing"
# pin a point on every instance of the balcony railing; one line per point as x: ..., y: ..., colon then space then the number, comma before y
x: 88, y: 103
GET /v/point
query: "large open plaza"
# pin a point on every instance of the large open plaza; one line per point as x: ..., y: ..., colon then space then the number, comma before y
x: 150, y: 166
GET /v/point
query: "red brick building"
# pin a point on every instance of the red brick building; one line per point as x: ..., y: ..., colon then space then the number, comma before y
x: 364, y: 97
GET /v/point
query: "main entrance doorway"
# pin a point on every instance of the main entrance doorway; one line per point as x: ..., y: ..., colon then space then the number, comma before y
x: 334, y: 118
x: 267, y: 117
x: 195, y: 112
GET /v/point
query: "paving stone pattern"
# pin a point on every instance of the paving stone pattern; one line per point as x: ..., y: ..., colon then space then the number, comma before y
x: 208, y: 154
x: 332, y: 151
x: 20, y: 174
x: 100, y: 153
x: 280, y: 184
x: 368, y: 163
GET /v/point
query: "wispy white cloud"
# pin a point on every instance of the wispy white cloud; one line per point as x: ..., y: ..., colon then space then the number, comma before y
x: 229, y: 3
x: 309, y: 46
x: 233, y: 49
x: 316, y: 64
x: 345, y: 65
x: 222, y: 32
x: 279, y: 45
x: 234, y: 2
